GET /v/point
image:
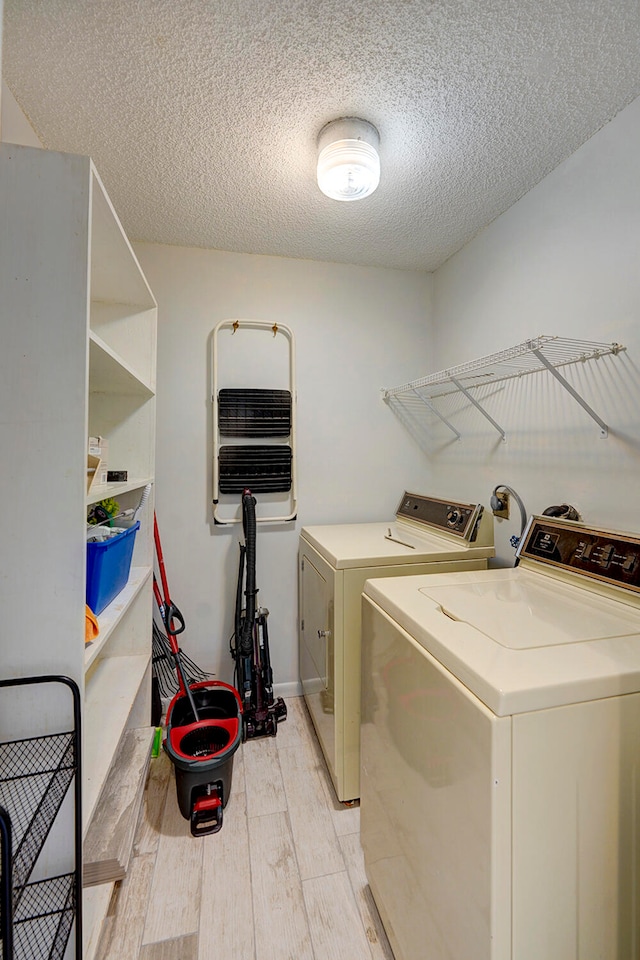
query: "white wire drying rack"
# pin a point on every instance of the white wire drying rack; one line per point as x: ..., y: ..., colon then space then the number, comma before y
x: 532, y: 356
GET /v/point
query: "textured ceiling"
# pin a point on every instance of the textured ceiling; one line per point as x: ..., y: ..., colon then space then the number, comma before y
x: 202, y: 115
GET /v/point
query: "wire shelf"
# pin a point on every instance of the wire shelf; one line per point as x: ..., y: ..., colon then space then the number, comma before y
x: 514, y: 362
x: 533, y: 356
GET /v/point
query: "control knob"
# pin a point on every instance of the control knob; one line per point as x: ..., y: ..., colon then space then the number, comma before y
x: 454, y: 517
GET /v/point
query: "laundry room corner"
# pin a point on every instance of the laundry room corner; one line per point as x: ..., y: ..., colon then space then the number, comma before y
x: 562, y: 262
x: 356, y: 330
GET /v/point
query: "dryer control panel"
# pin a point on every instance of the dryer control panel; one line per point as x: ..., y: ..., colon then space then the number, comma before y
x: 460, y: 519
x: 605, y: 555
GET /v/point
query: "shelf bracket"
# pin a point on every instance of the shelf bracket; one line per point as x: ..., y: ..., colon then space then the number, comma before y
x: 604, y: 429
x: 479, y: 407
x: 434, y: 409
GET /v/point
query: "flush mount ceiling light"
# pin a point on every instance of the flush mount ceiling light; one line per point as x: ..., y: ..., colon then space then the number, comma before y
x: 348, y: 162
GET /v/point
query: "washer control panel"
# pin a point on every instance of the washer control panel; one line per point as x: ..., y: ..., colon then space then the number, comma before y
x: 604, y: 555
x: 460, y: 519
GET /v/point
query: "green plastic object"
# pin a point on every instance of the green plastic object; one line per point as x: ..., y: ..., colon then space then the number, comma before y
x: 157, y: 742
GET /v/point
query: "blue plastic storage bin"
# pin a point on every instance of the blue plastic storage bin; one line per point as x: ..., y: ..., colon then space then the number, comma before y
x: 108, y: 565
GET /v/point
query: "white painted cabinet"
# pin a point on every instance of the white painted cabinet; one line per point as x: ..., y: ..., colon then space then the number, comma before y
x: 77, y: 359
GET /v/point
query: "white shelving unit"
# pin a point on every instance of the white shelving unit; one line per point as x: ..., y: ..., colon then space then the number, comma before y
x: 532, y: 356
x: 78, y: 359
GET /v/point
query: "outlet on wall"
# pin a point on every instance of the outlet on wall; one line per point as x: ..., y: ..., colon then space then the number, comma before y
x: 500, y: 505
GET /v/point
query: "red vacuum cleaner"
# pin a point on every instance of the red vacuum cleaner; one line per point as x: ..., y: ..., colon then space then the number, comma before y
x: 250, y: 642
x: 204, y: 729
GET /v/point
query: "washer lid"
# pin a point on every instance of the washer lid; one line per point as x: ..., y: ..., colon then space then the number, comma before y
x: 534, y: 611
x: 519, y: 640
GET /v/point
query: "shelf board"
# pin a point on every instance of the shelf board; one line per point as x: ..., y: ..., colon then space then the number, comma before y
x: 111, y: 615
x: 109, y: 373
x: 109, y: 842
x: 101, y: 491
x: 109, y: 697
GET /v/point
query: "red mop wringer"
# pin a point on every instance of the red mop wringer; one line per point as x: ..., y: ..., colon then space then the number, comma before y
x: 208, y: 720
x: 204, y: 730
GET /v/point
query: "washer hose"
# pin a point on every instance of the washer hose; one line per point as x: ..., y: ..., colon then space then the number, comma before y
x: 562, y: 510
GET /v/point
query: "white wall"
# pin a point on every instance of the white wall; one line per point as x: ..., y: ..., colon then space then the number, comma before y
x: 565, y: 261
x: 14, y: 126
x: 356, y: 330
x: 1, y: 91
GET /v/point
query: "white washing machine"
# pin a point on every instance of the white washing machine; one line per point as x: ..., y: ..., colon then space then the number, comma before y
x: 428, y: 534
x: 500, y: 800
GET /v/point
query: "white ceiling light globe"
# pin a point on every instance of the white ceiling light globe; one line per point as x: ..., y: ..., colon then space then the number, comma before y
x: 348, y: 162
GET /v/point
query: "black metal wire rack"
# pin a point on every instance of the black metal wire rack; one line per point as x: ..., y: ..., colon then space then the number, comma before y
x: 35, y: 776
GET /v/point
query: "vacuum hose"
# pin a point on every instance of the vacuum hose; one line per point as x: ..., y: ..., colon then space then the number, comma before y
x: 245, y: 638
x: 238, y: 614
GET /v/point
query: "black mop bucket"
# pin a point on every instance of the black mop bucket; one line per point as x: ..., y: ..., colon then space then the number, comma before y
x: 202, y: 751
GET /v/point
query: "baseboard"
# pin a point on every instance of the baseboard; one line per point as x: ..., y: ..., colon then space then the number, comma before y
x: 293, y: 689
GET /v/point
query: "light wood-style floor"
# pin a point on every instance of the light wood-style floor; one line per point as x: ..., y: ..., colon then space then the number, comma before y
x: 283, y: 880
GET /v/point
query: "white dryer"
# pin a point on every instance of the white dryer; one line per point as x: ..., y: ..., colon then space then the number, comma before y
x: 500, y: 796
x: 428, y: 534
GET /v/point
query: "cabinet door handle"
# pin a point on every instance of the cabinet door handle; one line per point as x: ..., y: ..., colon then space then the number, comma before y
x: 323, y: 633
